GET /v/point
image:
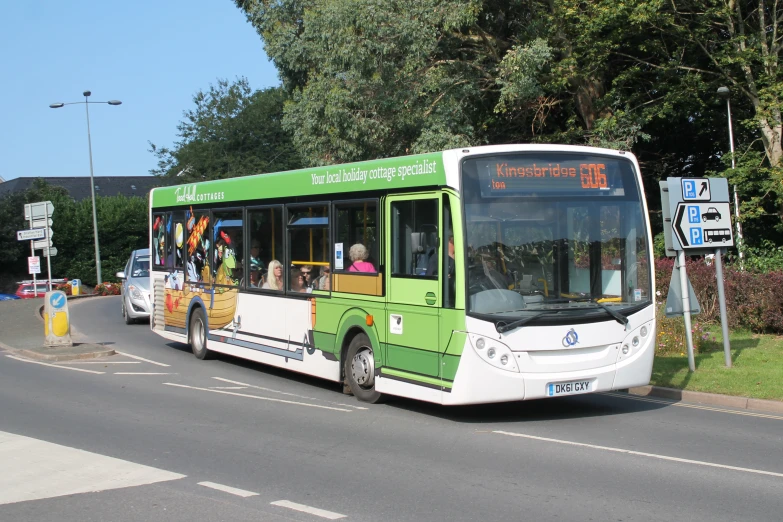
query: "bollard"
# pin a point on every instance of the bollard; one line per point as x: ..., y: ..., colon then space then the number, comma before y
x: 57, y: 321
x: 76, y: 287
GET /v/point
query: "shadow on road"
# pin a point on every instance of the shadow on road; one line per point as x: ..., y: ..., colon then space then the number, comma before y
x: 581, y: 406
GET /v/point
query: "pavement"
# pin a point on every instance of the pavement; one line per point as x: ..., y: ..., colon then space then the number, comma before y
x: 22, y: 332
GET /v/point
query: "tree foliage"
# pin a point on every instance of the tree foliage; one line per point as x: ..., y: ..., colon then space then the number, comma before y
x: 232, y: 131
x: 372, y: 78
x: 122, y: 227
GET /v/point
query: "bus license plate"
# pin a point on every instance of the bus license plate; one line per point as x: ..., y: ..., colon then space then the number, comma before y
x: 554, y: 389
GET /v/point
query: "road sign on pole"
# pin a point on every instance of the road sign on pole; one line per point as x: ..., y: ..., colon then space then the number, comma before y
x: 30, y: 234
x: 696, y: 189
x: 42, y: 209
x: 701, y: 222
x: 33, y: 265
x: 50, y: 252
x: 703, y: 225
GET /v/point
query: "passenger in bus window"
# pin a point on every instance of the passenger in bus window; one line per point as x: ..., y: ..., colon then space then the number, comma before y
x: 358, y: 255
x: 324, y: 281
x: 307, y: 273
x: 255, y: 278
x: 274, y: 279
x: 255, y: 255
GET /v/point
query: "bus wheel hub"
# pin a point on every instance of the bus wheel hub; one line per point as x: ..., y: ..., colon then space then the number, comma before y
x: 363, y: 368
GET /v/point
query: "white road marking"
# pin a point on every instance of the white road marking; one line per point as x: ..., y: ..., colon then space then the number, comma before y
x: 32, y: 469
x: 286, y: 393
x: 331, y: 515
x: 228, y: 387
x: 693, y: 406
x: 256, y: 397
x: 641, y: 454
x: 53, y: 365
x: 141, y: 358
x: 143, y: 373
x: 100, y: 362
x: 228, y: 489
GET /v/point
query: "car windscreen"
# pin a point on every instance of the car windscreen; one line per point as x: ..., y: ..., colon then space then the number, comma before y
x: 141, y: 266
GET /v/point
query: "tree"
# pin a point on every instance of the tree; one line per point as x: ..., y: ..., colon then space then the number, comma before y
x: 122, y: 225
x: 232, y: 131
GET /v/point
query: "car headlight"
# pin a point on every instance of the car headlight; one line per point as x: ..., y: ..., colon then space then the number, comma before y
x: 494, y: 352
x: 134, y: 292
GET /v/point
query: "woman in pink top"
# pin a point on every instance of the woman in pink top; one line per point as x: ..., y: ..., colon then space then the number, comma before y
x: 358, y: 254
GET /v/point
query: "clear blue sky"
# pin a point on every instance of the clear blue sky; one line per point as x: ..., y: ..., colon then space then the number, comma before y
x: 151, y: 55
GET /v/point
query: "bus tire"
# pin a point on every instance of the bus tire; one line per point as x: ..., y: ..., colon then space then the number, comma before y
x: 359, y: 368
x: 198, y: 334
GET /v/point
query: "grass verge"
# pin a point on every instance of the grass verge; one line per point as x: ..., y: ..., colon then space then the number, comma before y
x: 757, y: 365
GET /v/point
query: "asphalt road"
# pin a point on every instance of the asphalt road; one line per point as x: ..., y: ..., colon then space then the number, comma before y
x: 295, y: 448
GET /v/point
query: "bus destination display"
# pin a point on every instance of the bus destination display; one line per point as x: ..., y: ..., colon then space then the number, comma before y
x: 504, y: 176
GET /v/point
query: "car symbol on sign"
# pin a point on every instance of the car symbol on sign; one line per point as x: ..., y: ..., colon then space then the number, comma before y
x: 711, y: 214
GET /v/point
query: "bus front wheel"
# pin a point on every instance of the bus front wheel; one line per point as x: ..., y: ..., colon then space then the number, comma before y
x: 198, y: 334
x: 359, y: 367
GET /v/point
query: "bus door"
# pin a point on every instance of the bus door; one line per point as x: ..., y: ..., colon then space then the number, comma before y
x: 413, y: 252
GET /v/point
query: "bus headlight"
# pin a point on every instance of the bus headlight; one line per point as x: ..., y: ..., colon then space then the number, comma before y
x: 494, y: 352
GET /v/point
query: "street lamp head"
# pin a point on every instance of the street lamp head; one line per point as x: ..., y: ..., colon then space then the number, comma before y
x: 114, y: 102
x: 56, y: 105
x: 724, y: 92
x: 86, y: 93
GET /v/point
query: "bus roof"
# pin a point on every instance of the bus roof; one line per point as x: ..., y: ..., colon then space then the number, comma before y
x: 421, y: 170
x: 404, y: 172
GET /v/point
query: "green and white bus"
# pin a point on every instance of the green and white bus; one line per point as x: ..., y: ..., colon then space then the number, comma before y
x: 477, y: 275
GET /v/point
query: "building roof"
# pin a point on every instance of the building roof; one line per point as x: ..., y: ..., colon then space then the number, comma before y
x: 79, y: 187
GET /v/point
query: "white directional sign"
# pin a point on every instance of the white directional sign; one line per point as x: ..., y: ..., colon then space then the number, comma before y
x: 703, y: 225
x: 38, y: 210
x: 50, y: 252
x: 29, y: 235
x: 695, y: 189
x: 42, y: 222
x: 42, y: 244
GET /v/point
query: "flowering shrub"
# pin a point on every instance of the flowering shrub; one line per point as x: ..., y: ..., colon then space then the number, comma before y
x: 107, y: 289
x: 65, y: 287
x: 754, y: 300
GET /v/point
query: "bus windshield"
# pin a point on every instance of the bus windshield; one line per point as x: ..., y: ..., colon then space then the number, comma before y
x: 554, y: 231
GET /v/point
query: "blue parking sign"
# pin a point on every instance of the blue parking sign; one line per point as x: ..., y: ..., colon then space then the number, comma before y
x: 688, y: 189
x: 697, y: 238
x: 694, y: 214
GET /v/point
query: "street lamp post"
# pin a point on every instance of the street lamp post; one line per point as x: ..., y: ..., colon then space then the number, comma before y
x: 87, y: 103
x: 725, y: 93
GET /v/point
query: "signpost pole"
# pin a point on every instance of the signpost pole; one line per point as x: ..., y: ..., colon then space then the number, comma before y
x: 48, y: 257
x: 724, y: 321
x: 686, y: 308
x: 32, y: 254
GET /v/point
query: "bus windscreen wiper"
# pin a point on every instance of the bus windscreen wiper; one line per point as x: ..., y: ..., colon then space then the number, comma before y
x: 502, y: 327
x: 620, y: 318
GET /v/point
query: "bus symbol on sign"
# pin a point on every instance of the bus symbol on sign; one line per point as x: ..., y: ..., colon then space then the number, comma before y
x: 696, y: 189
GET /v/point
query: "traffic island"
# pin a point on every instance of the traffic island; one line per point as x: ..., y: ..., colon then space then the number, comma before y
x: 67, y: 353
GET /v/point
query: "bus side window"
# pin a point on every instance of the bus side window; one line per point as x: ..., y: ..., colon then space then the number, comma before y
x: 356, y: 229
x: 177, y: 241
x: 197, y: 247
x: 228, y: 253
x: 414, y: 236
x: 160, y: 224
x: 308, y: 245
x: 265, y: 248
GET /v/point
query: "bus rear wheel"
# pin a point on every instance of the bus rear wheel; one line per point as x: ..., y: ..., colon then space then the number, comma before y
x: 198, y: 334
x: 359, y: 367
